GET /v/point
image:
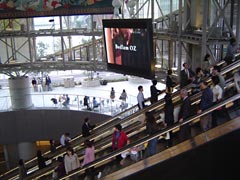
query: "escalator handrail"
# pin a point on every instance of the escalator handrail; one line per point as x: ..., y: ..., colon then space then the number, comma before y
x: 157, y: 134
x: 154, y: 106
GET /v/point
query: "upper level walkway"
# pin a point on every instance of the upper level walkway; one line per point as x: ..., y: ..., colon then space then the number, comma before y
x: 102, y: 93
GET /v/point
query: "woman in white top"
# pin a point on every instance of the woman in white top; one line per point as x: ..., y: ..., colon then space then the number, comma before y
x: 217, y: 90
x: 123, y: 95
x: 71, y: 162
x: 217, y: 97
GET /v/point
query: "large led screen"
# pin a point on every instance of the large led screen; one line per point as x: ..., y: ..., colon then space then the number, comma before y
x: 129, y: 46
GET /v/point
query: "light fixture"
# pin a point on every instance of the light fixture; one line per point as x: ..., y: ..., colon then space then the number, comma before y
x: 117, y: 5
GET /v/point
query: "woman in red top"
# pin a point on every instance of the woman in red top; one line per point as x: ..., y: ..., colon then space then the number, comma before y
x: 119, y: 140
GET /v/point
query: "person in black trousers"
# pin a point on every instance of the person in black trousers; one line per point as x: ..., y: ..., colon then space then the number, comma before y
x: 41, y: 160
x: 169, y: 82
x: 186, y: 76
x: 184, y: 113
x: 154, y: 91
x: 169, y: 117
x: 87, y: 127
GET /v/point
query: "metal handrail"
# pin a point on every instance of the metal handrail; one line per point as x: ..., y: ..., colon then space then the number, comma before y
x: 159, y: 104
x: 148, y: 138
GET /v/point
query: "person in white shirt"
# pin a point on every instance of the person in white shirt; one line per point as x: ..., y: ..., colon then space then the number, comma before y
x: 140, y: 98
x: 64, y: 139
x: 217, y: 97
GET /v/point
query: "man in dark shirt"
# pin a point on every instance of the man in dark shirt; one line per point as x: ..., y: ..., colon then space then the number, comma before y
x: 154, y: 91
x: 184, y: 113
x: 205, y: 103
x: 86, y: 128
x: 186, y: 75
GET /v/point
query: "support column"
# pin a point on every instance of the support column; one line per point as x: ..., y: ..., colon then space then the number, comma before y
x: 170, y: 54
x: 26, y: 150
x: 19, y: 88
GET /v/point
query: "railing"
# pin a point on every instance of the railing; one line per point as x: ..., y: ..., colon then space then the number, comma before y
x: 43, y: 100
x: 103, y: 160
x: 159, y: 104
x: 123, y: 121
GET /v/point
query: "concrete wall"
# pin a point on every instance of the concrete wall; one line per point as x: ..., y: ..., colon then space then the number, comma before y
x: 33, y: 125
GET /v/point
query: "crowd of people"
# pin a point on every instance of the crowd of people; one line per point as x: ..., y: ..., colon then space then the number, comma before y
x: 39, y: 84
x: 211, y: 93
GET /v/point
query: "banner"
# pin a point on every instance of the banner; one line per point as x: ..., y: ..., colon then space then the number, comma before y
x: 37, y: 8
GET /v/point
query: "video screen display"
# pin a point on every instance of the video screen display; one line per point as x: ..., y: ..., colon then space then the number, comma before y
x: 129, y: 46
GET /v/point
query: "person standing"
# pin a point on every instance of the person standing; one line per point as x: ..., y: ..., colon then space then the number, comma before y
x: 89, y: 156
x: 89, y: 153
x: 184, y: 113
x: 52, y: 146
x: 205, y: 102
x: 169, y: 82
x: 86, y: 102
x: 48, y: 83
x: 34, y: 84
x: 208, y: 65
x: 65, y: 139
x: 237, y: 80
x: 216, y: 72
x: 232, y: 49
x: 119, y: 140
x: 217, y: 97
x: 87, y: 127
x: 154, y: 91
x: 151, y: 128
x: 71, y: 162
x: 197, y: 80
x: 112, y: 94
x: 41, y: 160
x: 59, y: 171
x: 140, y: 98
x: 169, y: 116
x: 22, y: 170
x: 123, y: 96
x: 186, y: 75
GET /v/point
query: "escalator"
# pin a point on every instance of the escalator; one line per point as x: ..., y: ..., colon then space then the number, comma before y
x: 179, y: 151
x: 129, y: 119
x: 214, y: 159
x: 135, y: 131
